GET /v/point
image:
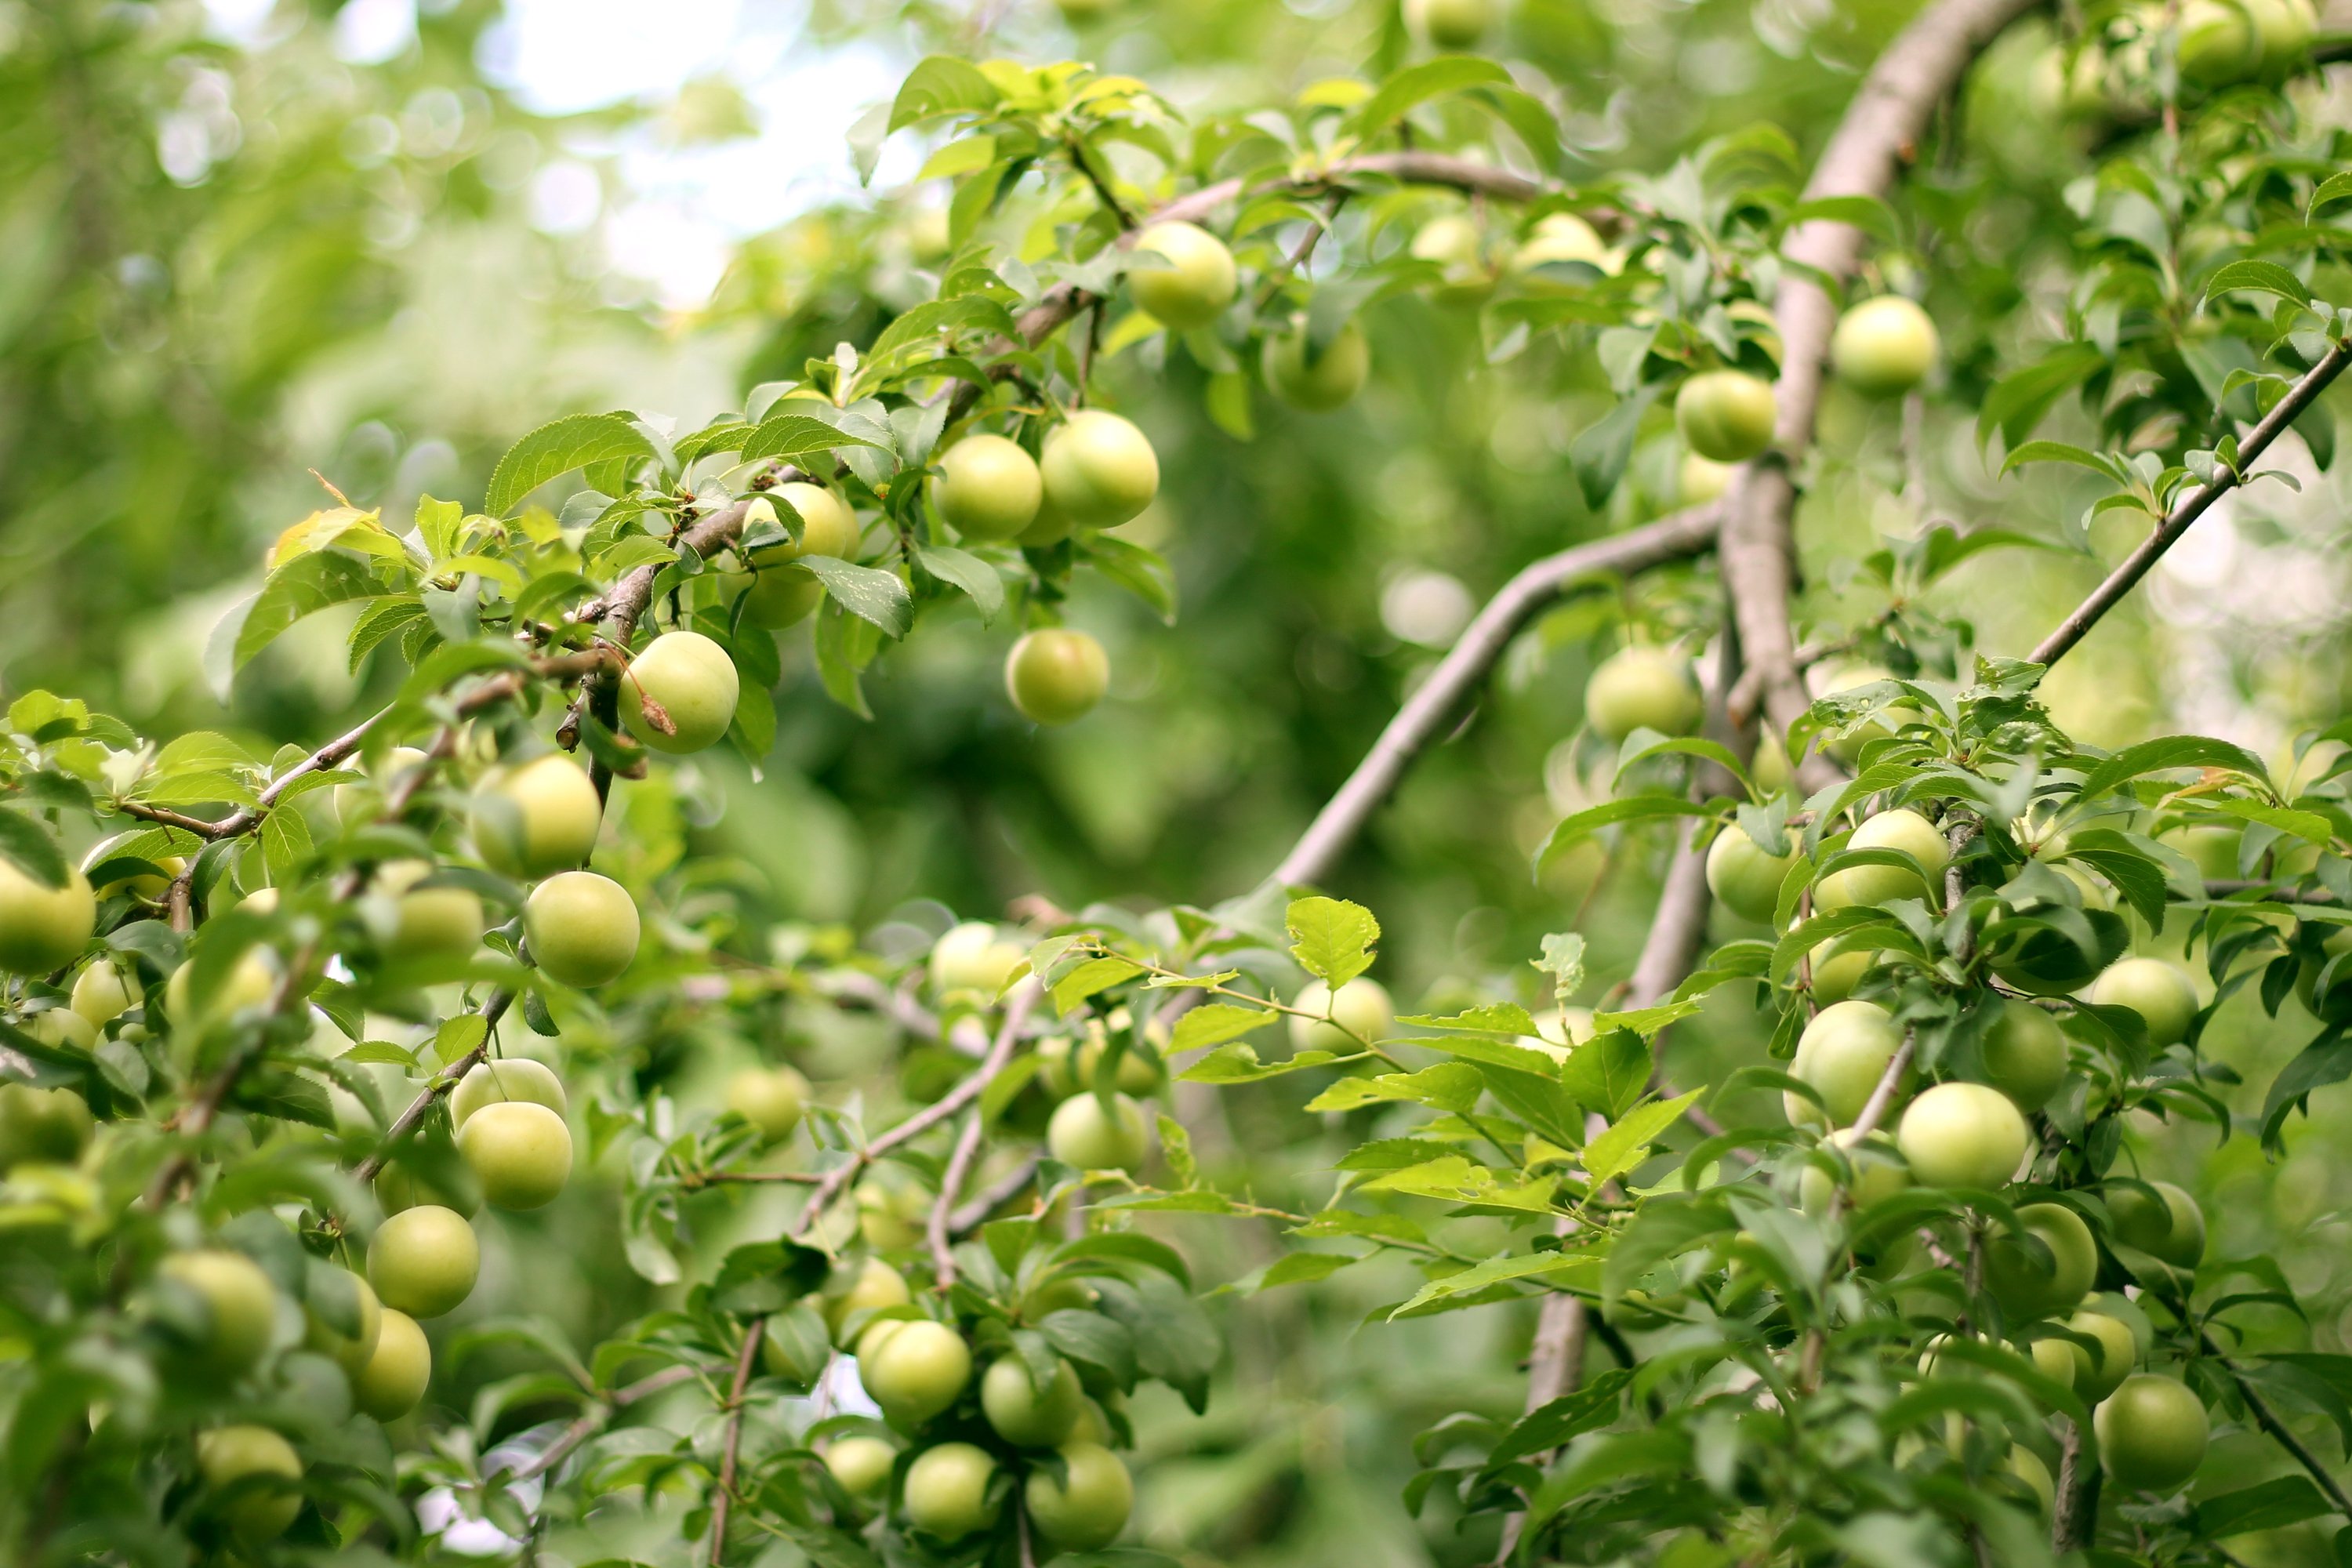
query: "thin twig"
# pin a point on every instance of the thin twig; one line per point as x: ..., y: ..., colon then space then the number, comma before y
x: 2269, y: 1421
x: 958, y: 1171
x: 986, y: 1201
x: 726, y: 1492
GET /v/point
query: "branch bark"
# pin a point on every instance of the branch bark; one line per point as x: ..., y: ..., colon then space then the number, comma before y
x: 942, y: 1222
x: 725, y: 1495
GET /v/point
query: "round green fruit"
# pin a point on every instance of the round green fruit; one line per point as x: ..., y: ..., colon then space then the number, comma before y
x: 780, y: 596
x: 1642, y: 689
x: 50, y: 1125
x: 1450, y: 24
x: 694, y: 683
x: 2047, y: 963
x: 520, y: 1153
x: 582, y: 928
x: 272, y: 1495
x: 488, y: 1083
x: 1832, y: 679
x: 1071, y: 1066
x: 102, y: 992
x: 1745, y: 876
x: 1726, y: 414
x: 424, y: 1261
x: 1085, y: 1508
x: 2032, y: 1476
x: 2158, y: 991
x: 394, y: 1378
x: 1361, y: 1014
x: 400, y: 1186
x: 1099, y: 470
x: 2058, y: 1360
x: 350, y: 1351
x: 240, y: 1305
x: 1195, y: 286
x: 537, y: 819
x: 974, y: 957
x: 1561, y: 237
x: 769, y: 1099
x: 2217, y: 43
x: 1879, y: 1173
x: 1837, y: 970
x: 61, y: 1027
x: 2152, y: 1433
x: 2024, y: 1053
x: 947, y: 1491
x: 1904, y: 831
x: 988, y: 488
x: 913, y: 1370
x: 1963, y: 1135
x: 2099, y: 1373
x: 828, y: 525
x: 2283, y: 29
x: 877, y: 1288
x: 2028, y: 1286
x: 41, y: 928
x: 1452, y: 242
x: 1883, y: 347
x: 430, y: 922
x: 1022, y: 1416
x: 1055, y: 675
x: 861, y: 1465
x: 1084, y: 1136
x: 250, y: 983
x: 1327, y: 381
x: 1843, y: 1054
x: 2166, y: 1224
x: 1697, y: 481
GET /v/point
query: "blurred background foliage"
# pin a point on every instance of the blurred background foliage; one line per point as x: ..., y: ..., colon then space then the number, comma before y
x: 241, y: 240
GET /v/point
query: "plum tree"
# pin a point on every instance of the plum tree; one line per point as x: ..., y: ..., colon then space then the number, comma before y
x: 1879, y: 1171
x: 1085, y: 1508
x: 2030, y: 1281
x: 261, y: 1474
x: 913, y: 1370
x: 947, y: 1491
x: 538, y: 817
x: 1842, y: 1054
x: 1641, y: 689
x: 488, y: 1083
x: 692, y: 683
x: 1022, y: 1416
x: 2154, y: 989
x: 240, y: 1306
x: 1099, y: 471
x: 1903, y: 831
x: 1726, y: 414
x: 988, y: 488
x: 392, y: 1381
x: 42, y: 927
x: 1744, y: 875
x: 769, y: 1098
x: 583, y: 928
x: 1359, y: 1014
x: 1963, y: 1135
x: 424, y: 1261
x: 2024, y: 1053
x: 1196, y: 283
x: 1086, y: 1136
x: 1317, y: 382
x: 1884, y: 346
x: 1055, y: 675
x: 2160, y: 1219
x: 518, y: 1151
x: 2152, y: 1433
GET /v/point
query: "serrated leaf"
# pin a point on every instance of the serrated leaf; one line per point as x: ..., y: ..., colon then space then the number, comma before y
x: 1578, y: 1268
x: 2261, y: 277
x: 2169, y: 752
x: 940, y: 84
x: 1627, y: 1142
x: 961, y: 569
x: 1418, y: 84
x: 558, y: 448
x: 1214, y: 1023
x: 865, y: 592
x: 1096, y: 974
x: 302, y: 586
x: 1331, y: 939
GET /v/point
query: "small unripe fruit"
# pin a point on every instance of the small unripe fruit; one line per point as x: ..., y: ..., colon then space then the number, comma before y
x: 582, y: 928
x: 488, y: 1083
x: 520, y: 1153
x: 1087, y: 1510
x: 1697, y: 481
x: 1835, y: 974
x: 1829, y: 681
x: 1843, y: 1054
x: 947, y: 1491
x: 1561, y: 237
x: 1879, y: 1173
x: 1099, y: 470
x: 2158, y: 991
x: 1021, y: 1415
x: 862, y: 1465
x: 102, y: 992
x: 1083, y: 1135
x: 1450, y: 24
x: 61, y: 1027
x: 1883, y: 347
x: 1196, y: 285
x: 2168, y: 1225
x: 240, y: 1303
x: 828, y: 524
x: 1325, y: 382
x: 43, y: 929
x: 1904, y: 831
x: 779, y: 595
x: 148, y: 886
x: 914, y: 1371
x: 394, y: 1378
x: 2152, y: 1433
x: 1451, y: 241
x: 538, y: 819
x: 2217, y: 43
x: 769, y: 1099
x: 51, y: 1125
x: 2057, y: 1360
x: 424, y: 1261
x: 1963, y: 1135
x: 973, y: 957
x: 366, y: 798
x: 260, y: 1513
x: 2024, y: 1053
x: 1055, y: 675
x: 1360, y: 1014
x: 1725, y: 414
x: 350, y: 1351
x: 1642, y: 689
x: 400, y: 1186
x: 2100, y: 1373
x: 1743, y: 876
x: 2283, y: 30
x: 2033, y: 1475
x: 251, y: 982
x: 2028, y: 1287
x: 438, y: 923
x: 695, y: 683
x: 878, y: 1288
x: 988, y: 488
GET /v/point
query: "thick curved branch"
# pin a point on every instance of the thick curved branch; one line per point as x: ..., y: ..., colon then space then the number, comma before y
x: 1427, y: 714
x: 2136, y: 566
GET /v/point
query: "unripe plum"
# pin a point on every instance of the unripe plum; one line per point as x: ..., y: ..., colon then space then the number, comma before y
x: 261, y: 1512
x: 1020, y: 1413
x: 2032, y: 1476
x: 973, y: 957
x: 1843, y: 1053
x: 2283, y: 29
x: 1072, y: 1066
x: 394, y: 1378
x: 1745, y: 876
x: 2158, y: 991
x: 947, y: 1491
x: 2152, y: 1433
x: 432, y: 922
x: 862, y: 1465
x: 240, y: 1304
x: 1879, y: 1173
x: 2217, y: 43
x: 1835, y: 974
x: 424, y: 1261
x: 489, y: 1083
x: 366, y: 797
x: 251, y: 982
x: 988, y: 488
x: 829, y: 524
x: 1642, y: 689
x: 42, y: 1124
x: 769, y: 1099
x: 61, y: 1027
x: 913, y: 1370
x: 582, y: 928
x: 350, y: 1351
x: 103, y: 993
x: 2024, y: 1053
x: 1726, y: 414
x: 1083, y: 1135
x: 1561, y: 237
x: 2168, y: 1225
x: 778, y: 596
x: 2098, y: 1375
x: 1450, y: 24
x: 537, y: 819
x: 1329, y: 379
x: 878, y: 1288
x: 1902, y: 830
x: 1098, y: 469
x: 1451, y: 241
x: 1698, y: 480
x: 2028, y: 1287
x: 1055, y: 675
x: 1196, y: 285
x: 43, y: 929
x: 1087, y: 1510
x: 1883, y: 347
x: 520, y: 1153
x: 1963, y: 1135
x: 693, y: 680
x: 1361, y: 1014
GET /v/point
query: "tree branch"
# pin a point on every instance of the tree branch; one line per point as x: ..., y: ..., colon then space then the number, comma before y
x: 986, y: 1201
x: 725, y: 1495
x: 958, y: 1171
x: 2136, y: 566
x: 2269, y: 1421
x: 406, y: 1122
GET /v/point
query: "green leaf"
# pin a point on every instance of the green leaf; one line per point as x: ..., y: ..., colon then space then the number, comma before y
x: 1609, y: 1074
x: 1094, y: 975
x: 791, y: 436
x: 2017, y: 403
x: 2273, y: 1505
x: 28, y: 847
x: 865, y: 592
x: 1627, y: 1142
x: 2059, y: 452
x: 2171, y: 751
x: 304, y: 585
x: 1500, y: 1018
x: 940, y: 84
x: 557, y: 448
x: 1589, y: 1409
x: 1867, y: 213
x: 1239, y: 1063
x: 961, y: 569
x: 1145, y: 573
x: 2260, y: 277
x: 1331, y: 939
x: 1418, y: 84
x: 1573, y: 830
x: 1566, y: 1267
x: 1214, y: 1023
